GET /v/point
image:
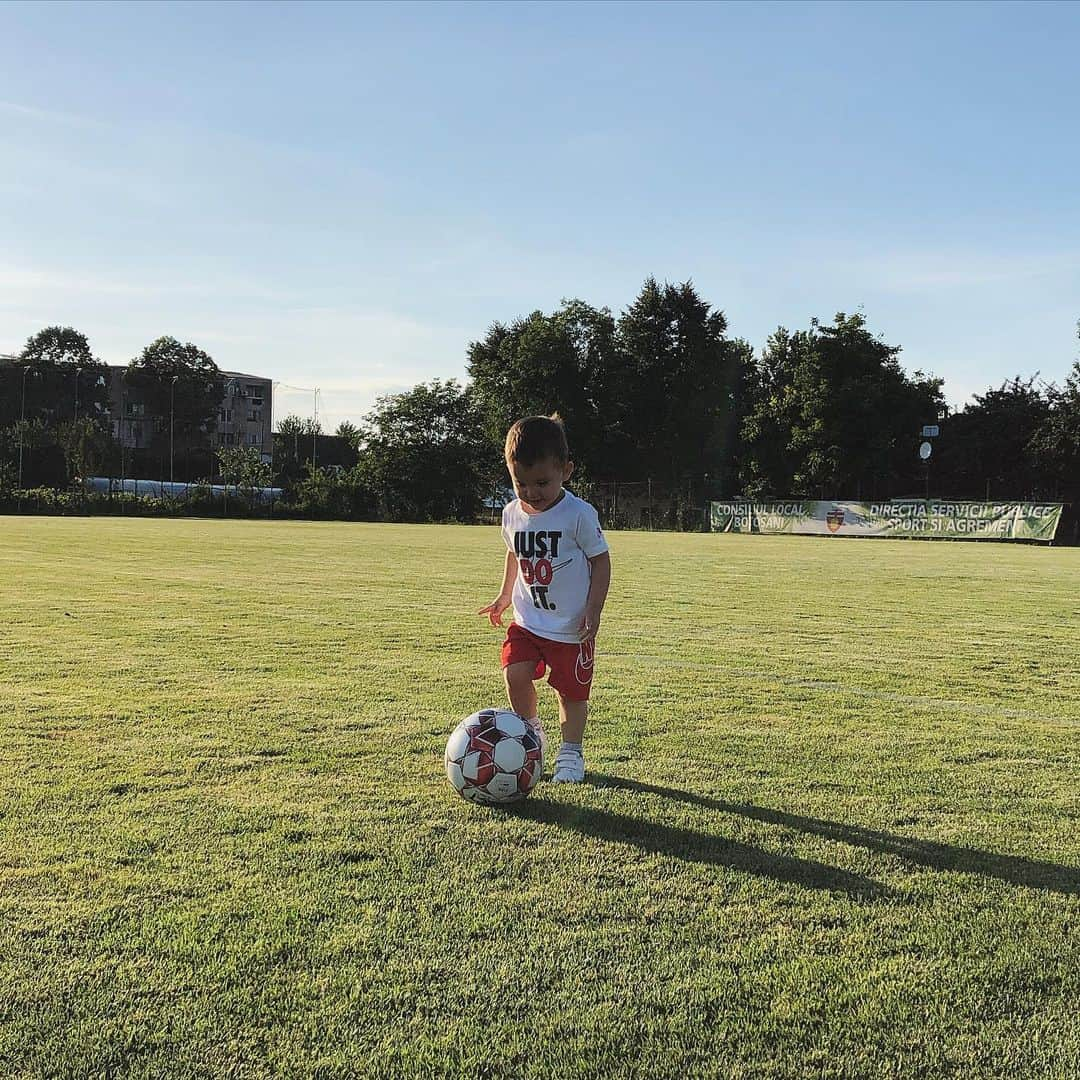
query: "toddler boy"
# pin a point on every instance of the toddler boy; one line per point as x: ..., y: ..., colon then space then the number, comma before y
x: 557, y: 575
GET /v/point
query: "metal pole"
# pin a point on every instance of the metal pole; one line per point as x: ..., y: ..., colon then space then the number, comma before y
x: 78, y: 372
x: 22, y: 421
x: 230, y: 387
x: 22, y: 425
x: 120, y: 429
x: 172, y: 415
x: 315, y: 435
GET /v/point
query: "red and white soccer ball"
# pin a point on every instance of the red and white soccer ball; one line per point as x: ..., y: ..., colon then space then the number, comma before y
x: 493, y: 756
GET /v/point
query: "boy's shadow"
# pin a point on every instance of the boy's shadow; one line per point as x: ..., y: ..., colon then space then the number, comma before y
x: 1011, y: 869
x: 696, y: 846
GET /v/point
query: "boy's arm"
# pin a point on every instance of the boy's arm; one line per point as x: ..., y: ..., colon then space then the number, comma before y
x: 600, y: 566
x: 494, y: 610
x: 509, y: 574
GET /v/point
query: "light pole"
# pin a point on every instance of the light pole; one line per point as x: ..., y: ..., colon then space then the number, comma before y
x: 230, y: 387
x: 75, y: 428
x: 120, y: 433
x: 172, y: 414
x: 22, y: 427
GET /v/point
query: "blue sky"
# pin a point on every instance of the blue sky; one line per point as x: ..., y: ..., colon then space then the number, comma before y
x: 344, y: 196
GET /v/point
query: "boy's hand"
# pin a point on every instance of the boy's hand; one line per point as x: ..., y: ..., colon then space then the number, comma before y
x: 590, y: 625
x: 494, y: 610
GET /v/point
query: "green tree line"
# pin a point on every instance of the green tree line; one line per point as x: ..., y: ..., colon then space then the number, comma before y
x: 658, y: 395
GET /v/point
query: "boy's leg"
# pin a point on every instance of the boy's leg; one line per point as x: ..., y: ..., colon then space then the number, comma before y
x: 570, y: 761
x: 572, y: 717
x: 520, y: 690
x: 523, y: 663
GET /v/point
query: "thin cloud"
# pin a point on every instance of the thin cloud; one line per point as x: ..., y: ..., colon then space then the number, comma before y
x: 920, y: 271
x: 21, y: 284
x: 53, y: 116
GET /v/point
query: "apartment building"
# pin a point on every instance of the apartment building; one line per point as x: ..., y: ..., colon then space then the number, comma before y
x: 244, y: 415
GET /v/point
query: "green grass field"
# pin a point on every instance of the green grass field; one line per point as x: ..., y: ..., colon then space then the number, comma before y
x: 831, y: 826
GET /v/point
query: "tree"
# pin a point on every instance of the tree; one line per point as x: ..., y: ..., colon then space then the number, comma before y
x: 69, y: 381
x: 425, y: 453
x: 299, y: 426
x: 831, y: 412
x: 43, y: 460
x: 350, y: 433
x: 988, y: 449
x: 44, y: 463
x: 54, y: 380
x: 1055, y: 445
x: 88, y: 449
x: 675, y: 384
x: 769, y: 460
x: 181, y: 388
x: 330, y: 494
x: 243, y: 467
x: 549, y: 363
x: 652, y: 394
x: 725, y: 450
x: 294, y: 445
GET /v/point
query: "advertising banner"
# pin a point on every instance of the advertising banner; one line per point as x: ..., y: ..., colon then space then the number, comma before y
x: 933, y: 519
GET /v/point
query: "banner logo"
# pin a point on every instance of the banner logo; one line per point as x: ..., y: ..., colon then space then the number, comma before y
x: 834, y: 518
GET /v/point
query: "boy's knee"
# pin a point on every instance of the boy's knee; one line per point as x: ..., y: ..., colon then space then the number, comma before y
x: 518, y: 676
x: 572, y: 705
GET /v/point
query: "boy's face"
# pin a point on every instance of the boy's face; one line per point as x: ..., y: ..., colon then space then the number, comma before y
x: 538, y: 485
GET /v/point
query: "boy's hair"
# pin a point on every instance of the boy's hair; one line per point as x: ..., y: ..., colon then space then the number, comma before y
x: 534, y: 438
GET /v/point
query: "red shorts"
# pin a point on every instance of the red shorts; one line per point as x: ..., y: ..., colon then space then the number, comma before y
x: 571, y: 664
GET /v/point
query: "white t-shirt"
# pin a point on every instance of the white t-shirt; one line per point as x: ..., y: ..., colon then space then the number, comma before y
x: 553, y: 549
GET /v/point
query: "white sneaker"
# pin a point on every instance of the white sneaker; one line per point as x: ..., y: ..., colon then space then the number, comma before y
x: 569, y: 767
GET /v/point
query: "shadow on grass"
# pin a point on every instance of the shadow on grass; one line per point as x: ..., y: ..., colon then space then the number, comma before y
x: 698, y: 847
x: 1008, y: 868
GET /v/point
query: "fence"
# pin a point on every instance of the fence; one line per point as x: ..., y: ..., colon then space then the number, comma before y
x: 632, y: 504
x: 145, y: 498
x: 181, y: 492
x: 650, y: 504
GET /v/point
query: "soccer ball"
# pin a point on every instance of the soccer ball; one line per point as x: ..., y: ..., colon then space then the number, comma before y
x: 493, y: 756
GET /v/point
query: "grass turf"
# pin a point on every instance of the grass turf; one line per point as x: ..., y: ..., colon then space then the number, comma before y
x: 830, y: 828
